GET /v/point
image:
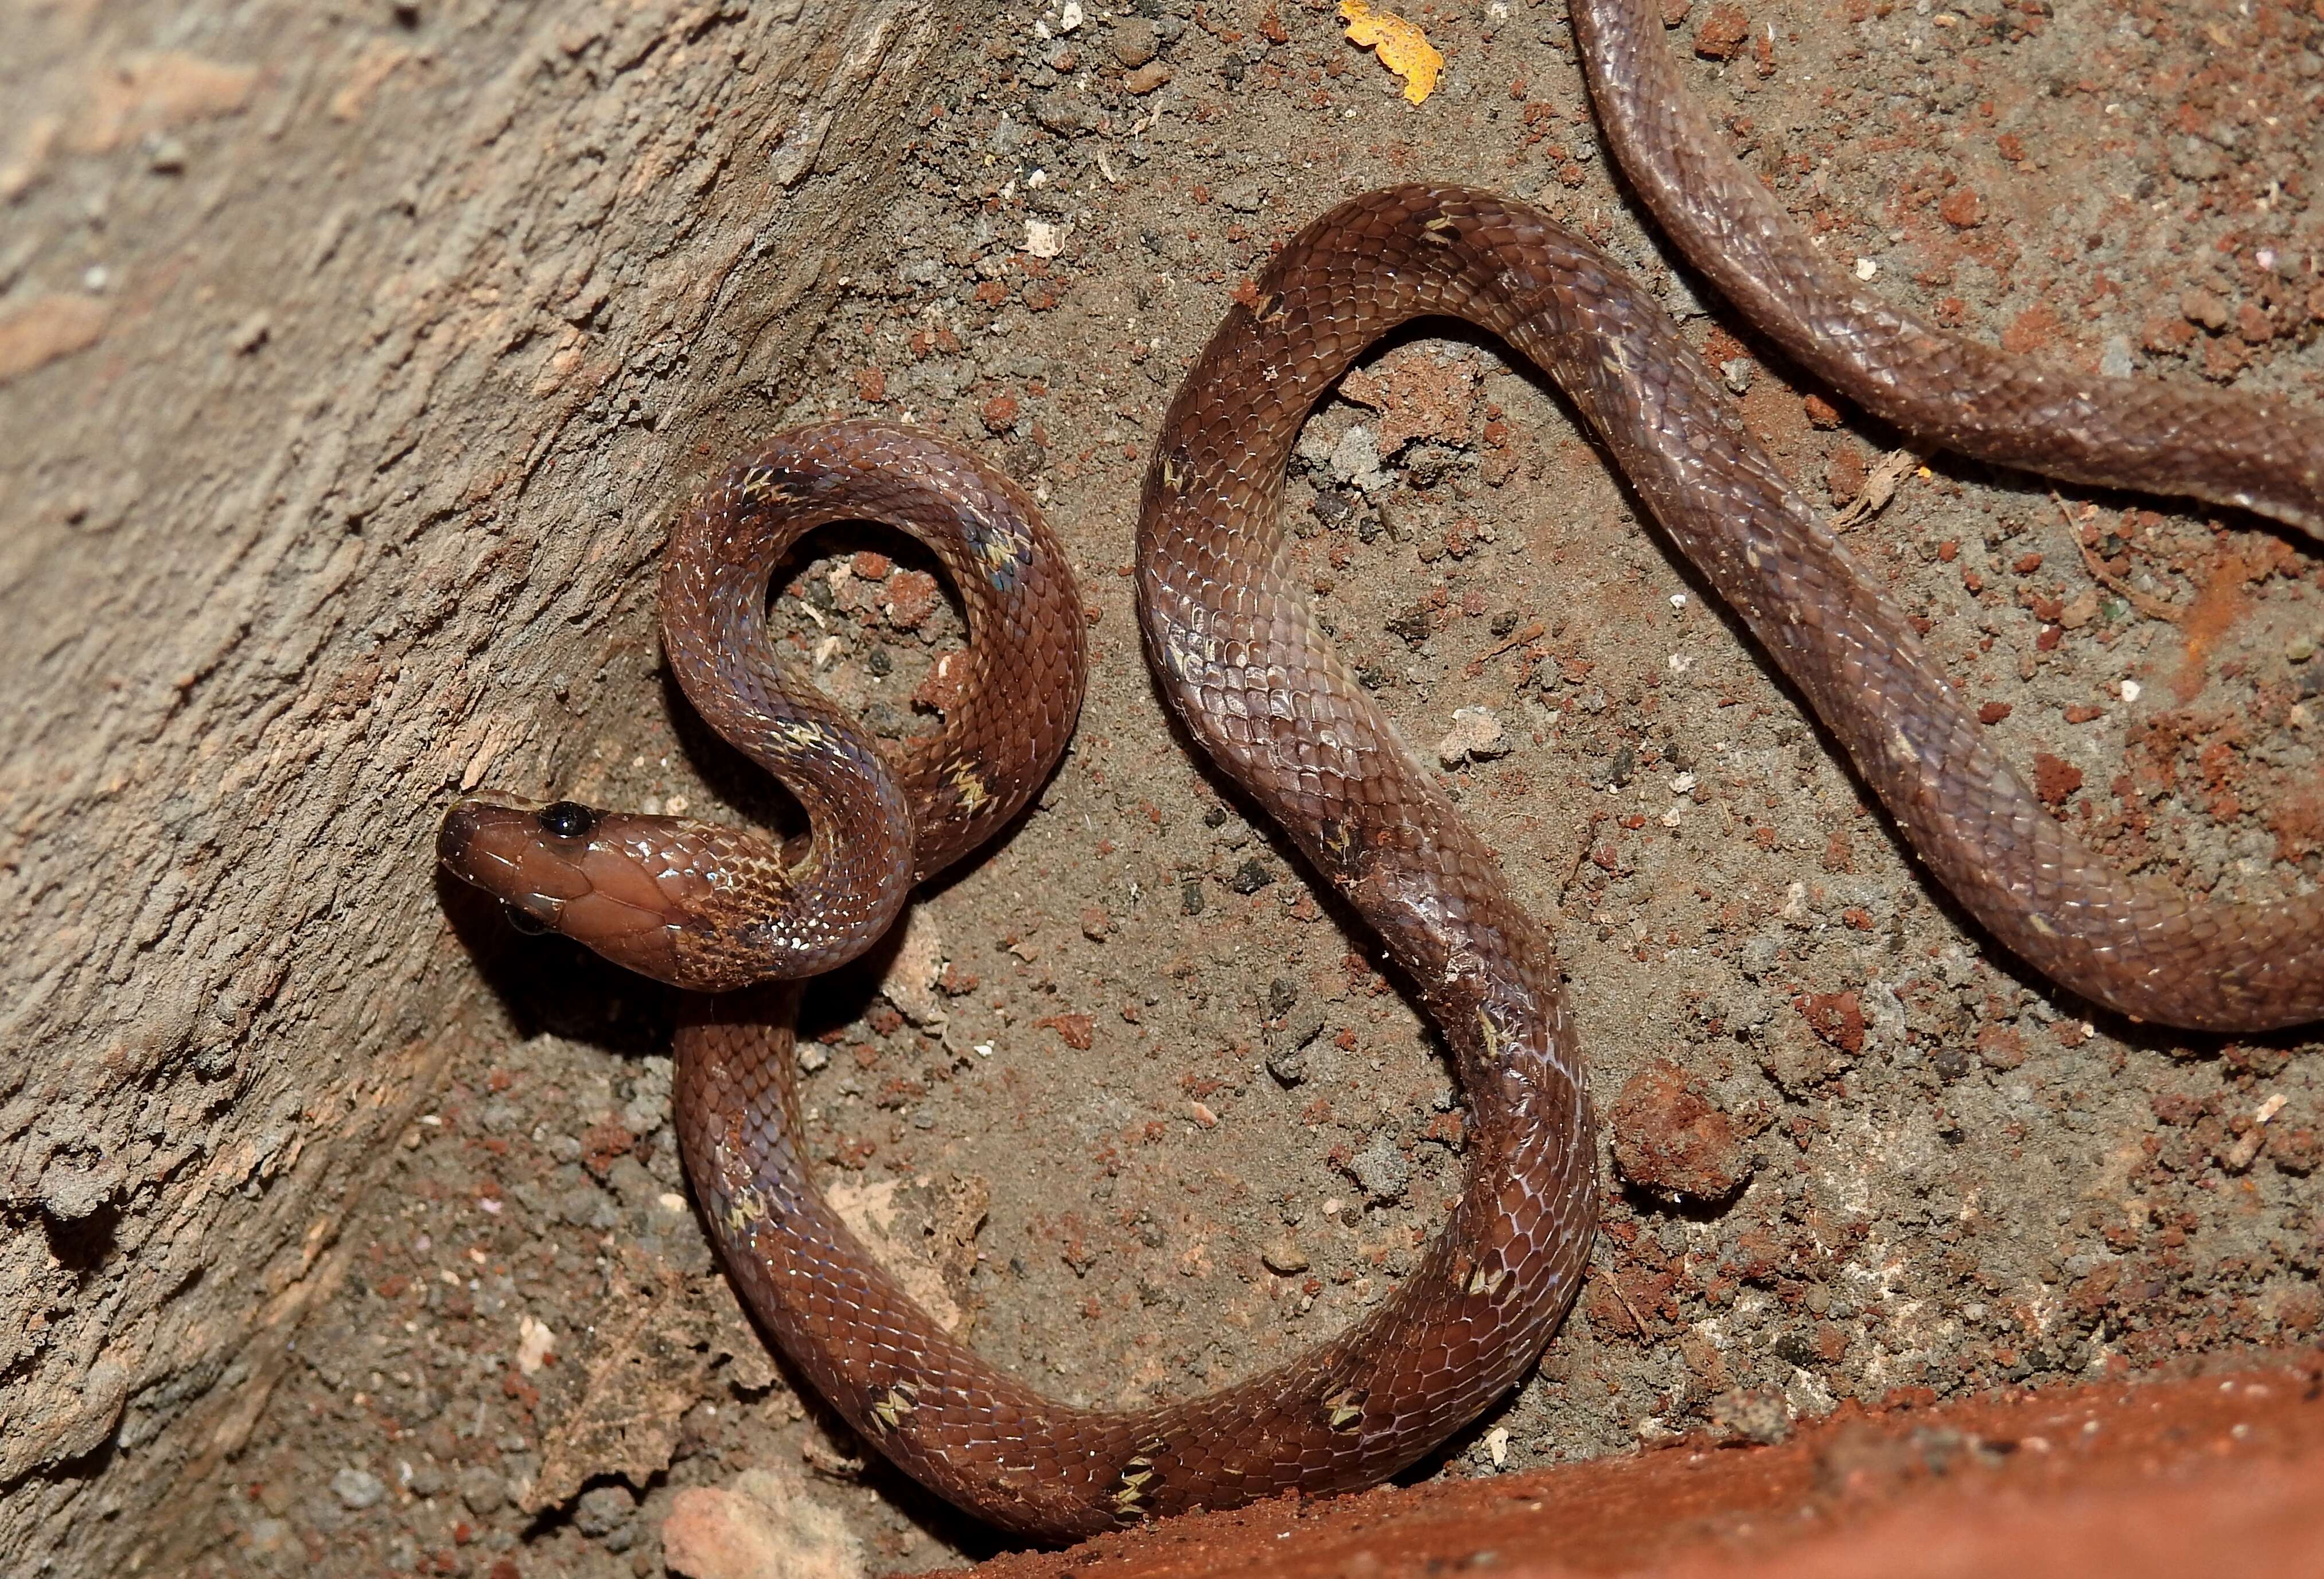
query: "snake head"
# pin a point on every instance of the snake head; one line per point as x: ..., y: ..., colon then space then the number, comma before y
x: 629, y: 886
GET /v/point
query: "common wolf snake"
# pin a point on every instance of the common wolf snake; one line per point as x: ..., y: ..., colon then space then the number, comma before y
x: 719, y: 910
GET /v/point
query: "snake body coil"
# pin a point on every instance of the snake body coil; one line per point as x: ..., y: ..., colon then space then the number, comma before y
x: 1241, y: 663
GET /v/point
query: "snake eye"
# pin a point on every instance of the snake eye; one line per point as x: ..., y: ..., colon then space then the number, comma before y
x: 522, y: 921
x: 566, y: 819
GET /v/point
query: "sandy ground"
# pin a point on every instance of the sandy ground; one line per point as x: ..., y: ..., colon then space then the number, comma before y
x: 1157, y: 1119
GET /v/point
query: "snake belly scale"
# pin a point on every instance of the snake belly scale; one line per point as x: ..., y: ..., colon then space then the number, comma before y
x: 736, y: 919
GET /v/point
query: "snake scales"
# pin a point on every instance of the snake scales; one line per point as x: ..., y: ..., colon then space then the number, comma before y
x: 718, y: 910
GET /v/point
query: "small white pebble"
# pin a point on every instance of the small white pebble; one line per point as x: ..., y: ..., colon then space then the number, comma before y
x: 1070, y: 17
x: 2130, y: 690
x: 535, y: 1344
x: 1497, y: 1443
x: 1866, y: 269
x: 985, y: 1050
x: 1043, y: 238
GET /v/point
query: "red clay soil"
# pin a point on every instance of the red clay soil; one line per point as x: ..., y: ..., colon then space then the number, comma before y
x: 2217, y: 1475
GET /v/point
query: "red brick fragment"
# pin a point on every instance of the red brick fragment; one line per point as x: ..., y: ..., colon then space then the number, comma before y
x: 602, y: 1144
x: 1962, y: 209
x: 2001, y: 1046
x: 1836, y: 1016
x: 912, y: 597
x: 1669, y: 1138
x: 941, y: 691
x: 2055, y: 778
x: 1075, y: 1031
x: 1723, y: 34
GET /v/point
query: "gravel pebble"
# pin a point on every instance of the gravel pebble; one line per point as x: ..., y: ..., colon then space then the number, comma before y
x: 1476, y: 736
x: 1284, y: 1259
x: 359, y: 1488
x: 602, y: 1509
x: 481, y: 1488
x: 1134, y: 42
x: 1382, y: 1169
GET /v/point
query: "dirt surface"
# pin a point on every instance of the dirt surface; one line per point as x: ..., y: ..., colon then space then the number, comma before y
x: 2214, y: 1474
x: 1143, y: 1108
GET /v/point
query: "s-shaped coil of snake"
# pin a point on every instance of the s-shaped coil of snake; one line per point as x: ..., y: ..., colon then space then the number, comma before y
x: 715, y: 909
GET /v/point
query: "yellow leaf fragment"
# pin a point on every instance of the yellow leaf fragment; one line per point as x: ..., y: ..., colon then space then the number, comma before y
x: 1402, y: 47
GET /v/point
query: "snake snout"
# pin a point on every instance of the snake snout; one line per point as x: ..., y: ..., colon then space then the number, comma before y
x: 457, y: 836
x: 502, y: 847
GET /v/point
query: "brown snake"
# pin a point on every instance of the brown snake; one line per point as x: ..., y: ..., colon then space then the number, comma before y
x: 712, y: 909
